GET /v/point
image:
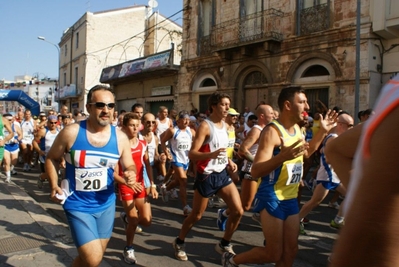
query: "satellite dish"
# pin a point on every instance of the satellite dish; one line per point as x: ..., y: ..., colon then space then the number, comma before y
x: 152, y: 3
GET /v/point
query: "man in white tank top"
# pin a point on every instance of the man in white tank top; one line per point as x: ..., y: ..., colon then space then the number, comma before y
x: 163, y: 122
x: 209, y: 152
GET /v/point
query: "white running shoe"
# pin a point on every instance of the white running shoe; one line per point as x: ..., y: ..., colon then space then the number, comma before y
x: 180, y: 252
x: 8, y: 180
x: 174, y: 194
x: 165, y: 193
x: 187, y: 210
x: 334, y: 205
x: 128, y: 255
x: 211, y: 203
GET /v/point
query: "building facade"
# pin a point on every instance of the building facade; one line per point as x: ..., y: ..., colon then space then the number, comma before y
x: 150, y: 79
x: 99, y: 40
x: 253, y: 49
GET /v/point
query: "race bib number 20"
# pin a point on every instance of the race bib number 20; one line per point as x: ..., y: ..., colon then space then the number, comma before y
x: 91, y: 180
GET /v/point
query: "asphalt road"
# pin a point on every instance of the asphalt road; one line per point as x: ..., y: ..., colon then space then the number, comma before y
x: 153, y: 246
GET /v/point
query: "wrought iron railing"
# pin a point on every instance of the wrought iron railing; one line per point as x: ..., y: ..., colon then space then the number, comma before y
x: 315, y: 19
x: 257, y: 27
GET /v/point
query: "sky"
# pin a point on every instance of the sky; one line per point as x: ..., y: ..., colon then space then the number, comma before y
x: 22, y: 21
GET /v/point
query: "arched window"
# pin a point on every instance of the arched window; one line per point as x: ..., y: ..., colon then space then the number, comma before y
x: 315, y: 70
x: 207, y: 83
x: 255, y: 78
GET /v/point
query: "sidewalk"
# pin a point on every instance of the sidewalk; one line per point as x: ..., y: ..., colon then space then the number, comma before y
x: 29, y: 236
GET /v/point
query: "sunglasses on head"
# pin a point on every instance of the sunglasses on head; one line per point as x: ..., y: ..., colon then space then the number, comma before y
x: 101, y: 105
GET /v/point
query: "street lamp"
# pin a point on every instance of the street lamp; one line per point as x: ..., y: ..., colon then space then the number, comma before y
x: 59, y: 55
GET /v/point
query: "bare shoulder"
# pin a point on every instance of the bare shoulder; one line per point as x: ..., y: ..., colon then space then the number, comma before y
x: 270, y: 136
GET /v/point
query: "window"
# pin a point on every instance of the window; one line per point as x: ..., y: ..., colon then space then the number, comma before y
x: 313, y: 16
x: 250, y: 20
x: 315, y: 70
x: 206, y: 20
x: 66, y: 50
x: 312, y: 3
x: 207, y: 83
x: 255, y: 78
x: 64, y: 79
x: 77, y: 40
x: 206, y: 17
x: 76, y: 75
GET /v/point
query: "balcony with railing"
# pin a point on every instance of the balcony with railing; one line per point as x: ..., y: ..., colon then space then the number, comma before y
x: 314, y: 19
x: 255, y: 28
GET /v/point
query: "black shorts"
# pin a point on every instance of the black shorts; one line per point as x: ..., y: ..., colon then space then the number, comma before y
x: 209, y: 184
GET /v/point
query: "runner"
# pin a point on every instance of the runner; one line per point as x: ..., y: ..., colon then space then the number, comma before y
x: 279, y: 162
x: 180, y: 139
x: 28, y: 127
x: 92, y: 148
x: 209, y: 150
x: 137, y: 208
x: 11, y: 147
x: 44, y: 139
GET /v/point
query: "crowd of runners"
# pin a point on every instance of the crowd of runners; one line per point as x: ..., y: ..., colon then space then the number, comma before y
x: 252, y: 161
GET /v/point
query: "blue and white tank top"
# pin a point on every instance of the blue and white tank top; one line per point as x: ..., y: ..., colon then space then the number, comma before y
x: 326, y: 172
x: 90, y: 172
x: 46, y: 142
x: 180, y: 145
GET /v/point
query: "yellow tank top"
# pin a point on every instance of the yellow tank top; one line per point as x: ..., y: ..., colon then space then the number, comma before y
x: 290, y: 173
x: 230, y: 146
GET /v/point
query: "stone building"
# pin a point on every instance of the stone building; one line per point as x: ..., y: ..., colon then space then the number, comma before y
x: 252, y: 49
x: 102, y: 39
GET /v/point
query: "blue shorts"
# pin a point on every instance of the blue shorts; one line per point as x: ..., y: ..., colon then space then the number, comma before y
x: 181, y: 165
x: 86, y: 227
x: 12, y: 148
x: 280, y: 209
x: 329, y: 185
x: 209, y: 184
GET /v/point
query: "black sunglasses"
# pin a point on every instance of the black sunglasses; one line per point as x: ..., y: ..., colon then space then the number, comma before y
x: 101, y: 105
x: 149, y: 122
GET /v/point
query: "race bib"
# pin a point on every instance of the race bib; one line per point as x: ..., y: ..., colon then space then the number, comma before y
x: 294, y: 173
x: 183, y: 145
x: 91, y: 180
x: 231, y: 143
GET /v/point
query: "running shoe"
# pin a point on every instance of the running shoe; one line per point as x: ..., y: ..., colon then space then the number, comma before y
x: 222, y: 249
x: 13, y: 171
x: 128, y: 255
x: 160, y: 178
x: 226, y: 260
x: 174, y: 194
x: 256, y: 218
x: 221, y: 220
x: 180, y: 252
x: 302, y: 229
x: 8, y: 180
x: 187, y: 210
x: 211, y: 203
x: 334, y: 205
x: 165, y: 193
x: 336, y: 225
x: 123, y: 217
x: 40, y: 182
x: 305, y: 221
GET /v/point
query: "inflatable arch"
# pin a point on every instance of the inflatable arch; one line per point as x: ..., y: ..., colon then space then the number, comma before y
x: 22, y: 98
